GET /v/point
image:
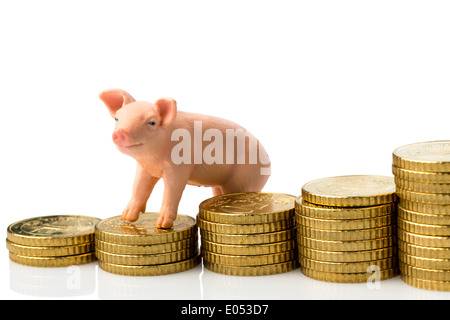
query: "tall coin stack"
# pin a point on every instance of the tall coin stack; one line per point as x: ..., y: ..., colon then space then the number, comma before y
x: 142, y: 249
x: 422, y: 175
x: 248, y: 234
x: 52, y: 241
x: 346, y: 229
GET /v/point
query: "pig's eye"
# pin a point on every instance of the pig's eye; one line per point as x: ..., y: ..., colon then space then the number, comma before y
x: 151, y: 123
x: 116, y: 119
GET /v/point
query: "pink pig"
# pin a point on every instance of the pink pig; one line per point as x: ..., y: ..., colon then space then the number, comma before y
x: 151, y: 133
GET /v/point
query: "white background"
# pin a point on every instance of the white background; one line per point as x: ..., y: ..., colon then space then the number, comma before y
x: 329, y: 87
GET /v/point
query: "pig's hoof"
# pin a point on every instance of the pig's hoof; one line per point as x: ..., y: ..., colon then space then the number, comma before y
x: 164, y: 223
x: 131, y: 217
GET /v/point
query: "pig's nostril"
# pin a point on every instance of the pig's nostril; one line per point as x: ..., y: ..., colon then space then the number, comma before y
x: 120, y: 137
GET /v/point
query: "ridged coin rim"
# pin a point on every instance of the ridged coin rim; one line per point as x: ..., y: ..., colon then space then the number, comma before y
x: 326, y: 212
x: 347, y: 277
x: 309, y: 194
x: 151, y: 270
x: 251, y: 271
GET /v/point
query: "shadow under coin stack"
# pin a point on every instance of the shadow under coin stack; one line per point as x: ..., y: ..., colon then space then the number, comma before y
x: 422, y: 175
x: 52, y: 241
x: 142, y: 249
x: 248, y: 234
x: 346, y: 229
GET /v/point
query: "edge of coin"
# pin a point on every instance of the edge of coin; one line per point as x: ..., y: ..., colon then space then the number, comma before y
x: 246, y: 218
x: 226, y: 228
x: 427, y: 198
x: 249, y: 239
x: 349, y: 201
x: 347, y: 277
x: 151, y: 270
x: 52, y: 240
x: 51, y: 251
x: 349, y: 246
x: 421, y: 176
x: 53, y: 262
x: 156, y: 248
x: 249, y: 271
x: 441, y: 209
x: 132, y: 239
x: 146, y: 259
x: 426, y: 284
x: 249, y: 250
x: 420, y: 165
x: 311, y: 210
x: 247, y: 261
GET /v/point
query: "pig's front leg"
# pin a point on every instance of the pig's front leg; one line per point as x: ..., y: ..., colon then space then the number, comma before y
x: 143, y: 186
x: 175, y: 181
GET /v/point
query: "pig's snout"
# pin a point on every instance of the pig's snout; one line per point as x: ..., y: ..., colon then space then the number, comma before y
x: 121, y: 137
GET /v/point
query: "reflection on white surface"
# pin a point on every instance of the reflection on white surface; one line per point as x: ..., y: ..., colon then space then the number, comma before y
x: 283, y: 286
x: 178, y: 286
x: 68, y: 281
x: 200, y: 283
x: 294, y: 285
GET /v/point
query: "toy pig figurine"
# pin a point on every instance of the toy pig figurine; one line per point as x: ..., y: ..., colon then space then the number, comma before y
x: 182, y: 148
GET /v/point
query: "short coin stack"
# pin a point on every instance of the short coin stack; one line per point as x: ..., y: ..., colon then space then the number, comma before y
x: 52, y: 241
x: 422, y: 175
x: 248, y: 234
x: 346, y: 228
x: 142, y: 249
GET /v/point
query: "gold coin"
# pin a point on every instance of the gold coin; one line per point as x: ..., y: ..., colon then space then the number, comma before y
x: 349, y: 277
x: 347, y: 267
x: 58, y: 230
x: 420, y: 176
x: 53, y: 262
x: 347, y: 256
x: 347, y: 235
x: 432, y: 156
x: 429, y: 198
x: 427, y: 263
x: 425, y: 229
x: 332, y: 245
x: 419, y: 217
x: 350, y: 191
x: 146, y: 249
x: 151, y: 270
x: 257, y: 238
x: 249, y: 249
x: 245, y: 228
x: 422, y: 187
x: 424, y: 252
x: 234, y: 260
x: 262, y: 270
x: 326, y: 212
x: 423, y: 273
x: 144, y: 230
x: 426, y: 284
x: 146, y: 259
x: 425, y: 208
x: 49, y: 251
x: 423, y: 240
x: 344, y: 224
x: 247, y: 208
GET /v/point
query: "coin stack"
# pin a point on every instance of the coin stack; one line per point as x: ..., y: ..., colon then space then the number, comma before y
x: 142, y: 249
x: 422, y: 176
x: 52, y: 241
x: 248, y: 234
x: 346, y: 229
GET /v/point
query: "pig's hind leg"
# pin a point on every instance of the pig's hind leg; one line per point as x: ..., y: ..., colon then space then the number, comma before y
x: 245, y: 179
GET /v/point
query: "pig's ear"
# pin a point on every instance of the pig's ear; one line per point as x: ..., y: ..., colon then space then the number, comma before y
x: 167, y: 109
x: 114, y: 99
